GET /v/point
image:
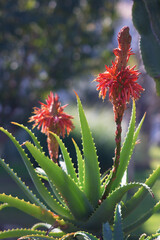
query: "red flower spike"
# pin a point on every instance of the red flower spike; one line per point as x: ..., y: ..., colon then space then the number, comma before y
x: 120, y: 80
x: 52, y: 118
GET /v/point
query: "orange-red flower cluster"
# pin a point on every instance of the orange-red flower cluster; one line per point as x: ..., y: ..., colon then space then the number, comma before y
x: 51, y: 117
x: 120, y: 80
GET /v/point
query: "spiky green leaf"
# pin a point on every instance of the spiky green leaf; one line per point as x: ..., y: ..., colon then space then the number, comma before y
x: 74, y: 197
x: 21, y: 184
x: 41, y: 225
x: 36, y: 237
x: 118, y: 232
x: 84, y: 236
x: 107, y: 232
x: 80, y: 235
x: 69, y: 165
x: 15, y: 233
x: 140, y: 194
x: 27, y: 207
x: 42, y: 190
x: 41, y: 173
x: 81, y: 165
x: 141, y: 219
x: 153, y: 237
x: 55, y: 193
x: 105, y: 184
x: 33, y: 137
x: 104, y: 213
x: 92, y: 172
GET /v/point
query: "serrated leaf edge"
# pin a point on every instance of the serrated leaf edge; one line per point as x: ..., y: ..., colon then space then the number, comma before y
x: 43, y: 191
x: 32, y: 197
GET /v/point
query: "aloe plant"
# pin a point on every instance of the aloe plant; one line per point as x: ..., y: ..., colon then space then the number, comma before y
x: 81, y: 202
x: 116, y: 233
x: 76, y: 208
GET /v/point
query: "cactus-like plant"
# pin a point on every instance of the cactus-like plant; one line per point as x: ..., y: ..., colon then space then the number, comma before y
x: 75, y: 202
x: 111, y: 234
x: 82, y: 200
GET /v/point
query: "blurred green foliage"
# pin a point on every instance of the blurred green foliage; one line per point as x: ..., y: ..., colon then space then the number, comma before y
x: 43, y: 44
x: 146, y: 18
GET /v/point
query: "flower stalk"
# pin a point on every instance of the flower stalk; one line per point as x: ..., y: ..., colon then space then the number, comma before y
x: 121, y: 82
x: 118, y: 144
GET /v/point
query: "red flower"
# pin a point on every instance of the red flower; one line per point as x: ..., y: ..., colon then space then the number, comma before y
x: 51, y: 117
x: 121, y: 86
x: 120, y: 80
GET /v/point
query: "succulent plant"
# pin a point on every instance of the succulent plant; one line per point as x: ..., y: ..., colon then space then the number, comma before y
x: 80, y: 203
x: 76, y: 201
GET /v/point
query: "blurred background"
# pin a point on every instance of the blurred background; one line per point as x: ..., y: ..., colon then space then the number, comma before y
x: 60, y: 46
